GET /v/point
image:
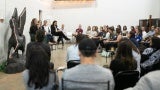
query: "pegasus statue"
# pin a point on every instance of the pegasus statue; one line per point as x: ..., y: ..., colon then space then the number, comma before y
x: 17, y: 39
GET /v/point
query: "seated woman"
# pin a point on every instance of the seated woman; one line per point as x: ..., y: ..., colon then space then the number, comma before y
x: 150, y: 59
x: 124, y: 32
x: 131, y: 36
x: 88, y: 32
x: 135, y: 52
x: 114, y: 39
x: 79, y: 30
x: 124, y: 59
x: 55, y: 31
x: 157, y: 32
x: 138, y: 34
x: 39, y: 76
x: 72, y: 51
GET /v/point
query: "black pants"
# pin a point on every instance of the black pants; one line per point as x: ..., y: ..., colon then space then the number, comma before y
x: 110, y: 44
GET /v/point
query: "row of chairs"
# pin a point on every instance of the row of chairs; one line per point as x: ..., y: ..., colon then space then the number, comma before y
x: 123, y: 79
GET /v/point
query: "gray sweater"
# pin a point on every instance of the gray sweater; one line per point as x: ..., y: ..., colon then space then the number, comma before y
x: 88, y: 77
x: 48, y: 87
x: 150, y: 81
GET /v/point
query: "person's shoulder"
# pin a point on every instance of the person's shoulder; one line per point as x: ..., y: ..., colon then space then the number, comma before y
x: 153, y: 74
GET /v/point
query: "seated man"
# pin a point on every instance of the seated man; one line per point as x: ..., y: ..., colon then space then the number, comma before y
x: 79, y: 30
x: 87, y: 75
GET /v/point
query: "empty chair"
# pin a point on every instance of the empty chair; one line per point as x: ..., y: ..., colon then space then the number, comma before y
x: 126, y: 79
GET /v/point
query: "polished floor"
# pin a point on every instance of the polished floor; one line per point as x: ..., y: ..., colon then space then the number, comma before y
x: 15, y: 81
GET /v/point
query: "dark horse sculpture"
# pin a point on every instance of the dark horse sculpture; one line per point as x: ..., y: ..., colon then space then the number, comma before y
x: 17, y: 39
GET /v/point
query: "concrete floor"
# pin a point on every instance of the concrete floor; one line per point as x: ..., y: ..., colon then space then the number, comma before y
x: 15, y: 81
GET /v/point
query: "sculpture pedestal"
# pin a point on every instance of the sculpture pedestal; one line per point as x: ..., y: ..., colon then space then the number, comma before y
x: 15, y: 65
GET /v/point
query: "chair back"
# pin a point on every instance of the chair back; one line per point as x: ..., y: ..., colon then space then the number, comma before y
x: 72, y: 63
x: 80, y: 85
x: 126, y: 79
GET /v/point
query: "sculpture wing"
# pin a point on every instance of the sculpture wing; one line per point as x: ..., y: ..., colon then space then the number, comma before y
x: 22, y: 20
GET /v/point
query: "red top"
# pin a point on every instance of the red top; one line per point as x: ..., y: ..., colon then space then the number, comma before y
x: 79, y: 31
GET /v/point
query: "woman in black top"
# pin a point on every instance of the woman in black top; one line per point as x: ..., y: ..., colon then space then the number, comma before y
x: 33, y: 29
x: 55, y: 31
x: 123, y: 60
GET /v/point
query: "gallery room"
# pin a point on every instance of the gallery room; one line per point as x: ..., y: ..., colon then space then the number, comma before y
x: 79, y: 44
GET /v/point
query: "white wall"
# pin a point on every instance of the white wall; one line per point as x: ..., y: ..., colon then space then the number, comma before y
x: 110, y: 12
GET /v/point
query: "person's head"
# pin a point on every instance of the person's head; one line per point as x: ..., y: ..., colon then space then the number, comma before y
x: 93, y: 28
x: 45, y: 22
x: 38, y: 67
x: 87, y: 48
x: 131, y: 34
x: 157, y: 31
x: 124, y: 54
x: 34, y: 22
x: 110, y: 30
x: 153, y: 27
x: 118, y: 31
x: 155, y: 42
x: 101, y: 28
x: 131, y: 44
x: 79, y: 26
x: 138, y: 30
x: 132, y: 28
x: 79, y: 38
x: 119, y: 26
x: 62, y: 26
x: 54, y: 23
x: 40, y: 34
x: 124, y: 28
x: 143, y: 28
x: 89, y: 28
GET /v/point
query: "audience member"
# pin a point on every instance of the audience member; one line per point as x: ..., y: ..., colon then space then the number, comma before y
x: 151, y: 32
x: 33, y: 29
x: 79, y: 30
x: 135, y: 52
x: 87, y: 75
x: 48, y: 34
x: 40, y: 34
x: 124, y: 59
x: 131, y: 36
x: 124, y: 32
x: 133, y: 29
x: 157, y: 32
x: 38, y: 75
x: 138, y: 34
x: 148, y: 82
x: 151, y: 56
x: 144, y: 33
x: 72, y: 51
x: 88, y: 32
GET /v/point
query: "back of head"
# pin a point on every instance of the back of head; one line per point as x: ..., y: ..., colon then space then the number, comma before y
x: 79, y: 38
x: 87, y: 47
x: 132, y: 34
x: 38, y: 67
x: 124, y: 54
x: 155, y: 42
x: 40, y: 34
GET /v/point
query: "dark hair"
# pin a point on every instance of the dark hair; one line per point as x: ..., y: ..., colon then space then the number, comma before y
x: 131, y: 44
x: 118, y: 31
x: 124, y: 27
x: 132, y: 34
x: 79, y: 38
x: 38, y: 67
x: 155, y: 42
x: 32, y: 22
x: 51, y: 65
x: 40, y: 34
x: 124, y: 53
x: 54, y: 22
x: 119, y: 26
x: 87, y: 47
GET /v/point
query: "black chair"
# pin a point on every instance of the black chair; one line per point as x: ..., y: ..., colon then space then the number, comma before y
x: 126, y: 79
x: 72, y: 63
